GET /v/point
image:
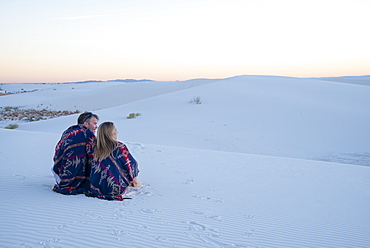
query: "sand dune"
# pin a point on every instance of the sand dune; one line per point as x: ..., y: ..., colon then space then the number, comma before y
x: 243, y: 169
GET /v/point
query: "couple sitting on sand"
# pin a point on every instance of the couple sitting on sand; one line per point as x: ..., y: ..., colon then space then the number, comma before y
x: 95, y: 166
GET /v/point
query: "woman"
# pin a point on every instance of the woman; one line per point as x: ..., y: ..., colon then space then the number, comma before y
x: 113, y: 168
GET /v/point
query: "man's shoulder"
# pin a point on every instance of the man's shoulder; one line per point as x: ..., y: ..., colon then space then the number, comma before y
x: 78, y: 129
x: 74, y: 127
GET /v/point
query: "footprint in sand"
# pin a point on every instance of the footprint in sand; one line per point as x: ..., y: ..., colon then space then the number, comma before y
x: 148, y: 210
x: 188, y: 181
x: 249, y: 233
x: 195, y: 226
x: 49, y: 242
x: 208, y: 198
x: 208, y: 215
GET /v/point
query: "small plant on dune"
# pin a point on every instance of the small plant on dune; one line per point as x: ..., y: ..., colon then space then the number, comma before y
x: 12, y: 126
x: 196, y: 100
x: 133, y: 115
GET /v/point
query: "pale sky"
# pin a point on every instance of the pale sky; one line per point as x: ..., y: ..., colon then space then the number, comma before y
x: 44, y: 41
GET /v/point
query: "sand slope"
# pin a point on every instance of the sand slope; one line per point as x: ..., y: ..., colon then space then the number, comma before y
x: 242, y: 169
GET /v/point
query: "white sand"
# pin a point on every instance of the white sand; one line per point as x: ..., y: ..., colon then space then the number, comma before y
x: 262, y: 162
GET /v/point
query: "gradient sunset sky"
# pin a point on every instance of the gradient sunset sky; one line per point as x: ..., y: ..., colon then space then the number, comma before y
x: 47, y: 41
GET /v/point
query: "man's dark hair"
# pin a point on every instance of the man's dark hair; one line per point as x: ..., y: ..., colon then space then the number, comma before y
x: 86, y: 117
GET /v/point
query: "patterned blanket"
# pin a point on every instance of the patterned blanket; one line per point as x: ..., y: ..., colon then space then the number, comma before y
x: 110, y: 177
x: 71, y: 160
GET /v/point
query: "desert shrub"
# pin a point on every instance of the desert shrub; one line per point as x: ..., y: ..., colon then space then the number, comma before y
x: 16, y: 113
x: 16, y: 92
x: 133, y: 115
x: 196, y: 100
x: 12, y: 126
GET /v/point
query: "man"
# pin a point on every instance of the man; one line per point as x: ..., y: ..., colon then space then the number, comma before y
x: 72, y: 154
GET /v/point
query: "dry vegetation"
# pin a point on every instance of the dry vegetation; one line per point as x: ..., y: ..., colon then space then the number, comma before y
x: 27, y: 115
x: 18, y: 114
x: 133, y: 115
x: 16, y: 92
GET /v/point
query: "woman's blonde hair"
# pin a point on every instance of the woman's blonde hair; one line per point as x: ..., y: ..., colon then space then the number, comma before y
x: 105, y: 143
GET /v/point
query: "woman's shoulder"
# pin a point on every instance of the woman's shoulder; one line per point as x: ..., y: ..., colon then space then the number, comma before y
x: 121, y: 146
